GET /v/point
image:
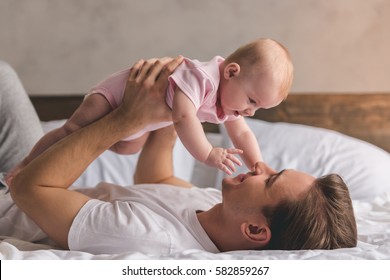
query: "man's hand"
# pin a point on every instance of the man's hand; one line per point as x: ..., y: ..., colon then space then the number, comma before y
x: 144, y: 97
x: 224, y: 159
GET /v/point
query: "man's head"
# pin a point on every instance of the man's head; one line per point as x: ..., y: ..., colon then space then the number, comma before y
x: 322, y: 218
x: 290, y: 210
x: 257, y: 75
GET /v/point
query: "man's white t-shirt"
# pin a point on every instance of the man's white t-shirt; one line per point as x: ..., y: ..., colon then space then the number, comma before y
x: 151, y: 219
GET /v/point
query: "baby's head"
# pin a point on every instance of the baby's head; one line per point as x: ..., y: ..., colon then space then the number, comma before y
x: 257, y: 75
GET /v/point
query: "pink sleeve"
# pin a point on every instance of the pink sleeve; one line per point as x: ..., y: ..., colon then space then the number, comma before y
x: 113, y: 87
x: 193, y: 82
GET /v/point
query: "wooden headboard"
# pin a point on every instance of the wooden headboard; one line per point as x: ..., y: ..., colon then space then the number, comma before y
x: 362, y: 115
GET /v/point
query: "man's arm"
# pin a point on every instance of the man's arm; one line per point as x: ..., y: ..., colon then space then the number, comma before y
x: 40, y: 189
x: 91, y: 109
x: 155, y: 163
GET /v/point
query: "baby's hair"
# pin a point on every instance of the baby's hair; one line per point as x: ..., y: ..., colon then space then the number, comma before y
x: 266, y: 55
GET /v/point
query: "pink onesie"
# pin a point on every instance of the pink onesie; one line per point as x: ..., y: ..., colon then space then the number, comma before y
x: 198, y: 80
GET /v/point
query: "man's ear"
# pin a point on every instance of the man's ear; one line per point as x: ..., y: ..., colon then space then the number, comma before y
x: 256, y: 233
x: 231, y: 70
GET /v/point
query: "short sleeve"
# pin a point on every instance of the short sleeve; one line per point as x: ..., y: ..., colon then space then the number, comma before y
x: 193, y: 81
x: 113, y: 87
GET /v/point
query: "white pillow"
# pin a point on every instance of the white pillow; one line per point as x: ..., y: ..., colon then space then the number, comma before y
x: 364, y: 167
x: 119, y: 169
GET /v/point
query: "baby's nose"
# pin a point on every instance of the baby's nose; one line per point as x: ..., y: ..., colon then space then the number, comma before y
x: 249, y: 112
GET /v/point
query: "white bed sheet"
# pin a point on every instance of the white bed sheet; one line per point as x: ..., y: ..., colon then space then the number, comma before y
x: 373, y: 220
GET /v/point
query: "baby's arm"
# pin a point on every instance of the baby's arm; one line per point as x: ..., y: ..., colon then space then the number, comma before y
x: 190, y: 132
x: 244, y: 139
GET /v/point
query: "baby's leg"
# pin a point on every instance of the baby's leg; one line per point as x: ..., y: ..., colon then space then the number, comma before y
x: 130, y: 147
x: 20, y: 127
x: 91, y: 109
x: 94, y: 107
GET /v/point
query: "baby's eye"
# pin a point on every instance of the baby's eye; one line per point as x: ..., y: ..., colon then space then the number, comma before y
x: 252, y: 101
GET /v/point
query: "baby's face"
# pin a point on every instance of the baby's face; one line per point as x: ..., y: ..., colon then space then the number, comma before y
x: 245, y: 96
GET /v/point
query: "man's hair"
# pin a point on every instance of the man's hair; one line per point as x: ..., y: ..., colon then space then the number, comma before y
x: 322, y: 218
x: 265, y: 55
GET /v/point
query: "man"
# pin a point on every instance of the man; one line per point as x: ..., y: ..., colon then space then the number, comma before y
x: 258, y: 210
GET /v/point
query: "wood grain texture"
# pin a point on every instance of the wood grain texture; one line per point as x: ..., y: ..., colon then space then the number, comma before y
x: 364, y: 116
x: 361, y: 115
x: 55, y: 107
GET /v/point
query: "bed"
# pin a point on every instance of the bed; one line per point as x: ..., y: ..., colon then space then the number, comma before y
x: 318, y: 133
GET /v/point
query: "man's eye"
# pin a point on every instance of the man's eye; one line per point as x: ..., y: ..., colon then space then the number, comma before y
x: 252, y: 101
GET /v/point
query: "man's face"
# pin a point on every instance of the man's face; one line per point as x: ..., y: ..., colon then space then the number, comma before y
x: 249, y: 193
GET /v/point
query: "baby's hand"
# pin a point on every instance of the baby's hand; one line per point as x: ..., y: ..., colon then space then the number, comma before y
x: 224, y: 159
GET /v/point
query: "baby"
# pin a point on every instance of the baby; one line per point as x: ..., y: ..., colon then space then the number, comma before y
x: 257, y: 75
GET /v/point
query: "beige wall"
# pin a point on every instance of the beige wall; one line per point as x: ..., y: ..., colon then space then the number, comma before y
x: 66, y: 46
